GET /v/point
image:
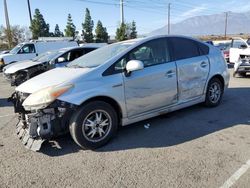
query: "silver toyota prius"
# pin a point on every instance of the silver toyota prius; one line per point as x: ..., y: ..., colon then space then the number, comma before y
x: 117, y: 85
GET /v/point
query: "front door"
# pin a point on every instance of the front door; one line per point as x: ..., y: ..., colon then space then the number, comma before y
x: 28, y: 51
x: 156, y: 85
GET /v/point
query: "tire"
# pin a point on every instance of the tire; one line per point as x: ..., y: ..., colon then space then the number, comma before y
x: 93, y: 125
x: 213, y: 95
x: 242, y: 74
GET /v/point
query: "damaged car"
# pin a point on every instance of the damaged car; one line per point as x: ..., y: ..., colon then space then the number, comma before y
x: 19, y: 72
x: 117, y: 85
x: 242, y: 66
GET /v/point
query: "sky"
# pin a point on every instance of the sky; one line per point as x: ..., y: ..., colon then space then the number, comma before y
x: 148, y: 14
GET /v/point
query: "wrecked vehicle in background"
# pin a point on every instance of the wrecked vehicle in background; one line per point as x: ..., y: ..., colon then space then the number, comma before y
x: 19, y: 72
x: 242, y: 66
x: 117, y: 85
x: 29, y: 50
x: 238, y: 47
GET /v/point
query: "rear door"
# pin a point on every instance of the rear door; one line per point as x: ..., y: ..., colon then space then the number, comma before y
x: 192, y: 67
x: 156, y: 85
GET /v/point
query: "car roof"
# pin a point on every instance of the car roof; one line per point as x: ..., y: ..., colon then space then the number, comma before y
x: 148, y: 38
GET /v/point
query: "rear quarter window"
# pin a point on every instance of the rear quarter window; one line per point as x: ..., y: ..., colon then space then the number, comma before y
x: 204, y: 49
x: 184, y: 48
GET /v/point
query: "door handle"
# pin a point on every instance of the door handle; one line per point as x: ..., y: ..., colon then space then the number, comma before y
x: 170, y: 74
x: 204, y: 64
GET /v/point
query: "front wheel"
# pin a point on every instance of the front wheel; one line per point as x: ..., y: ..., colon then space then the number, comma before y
x: 214, y: 93
x: 93, y: 125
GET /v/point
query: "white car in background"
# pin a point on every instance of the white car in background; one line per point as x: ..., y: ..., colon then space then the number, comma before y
x: 29, y: 50
x: 238, y: 48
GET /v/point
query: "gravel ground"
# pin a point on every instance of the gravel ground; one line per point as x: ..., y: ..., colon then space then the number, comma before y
x: 193, y: 147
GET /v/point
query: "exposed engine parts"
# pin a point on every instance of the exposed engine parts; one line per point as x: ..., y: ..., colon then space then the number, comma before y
x: 36, y: 127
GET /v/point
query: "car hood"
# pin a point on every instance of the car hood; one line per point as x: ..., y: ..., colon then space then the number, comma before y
x: 51, y: 78
x: 5, y: 55
x: 13, y: 68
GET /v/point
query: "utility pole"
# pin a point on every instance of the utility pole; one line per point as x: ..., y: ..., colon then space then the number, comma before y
x: 28, y: 1
x: 7, y: 23
x: 122, y: 11
x: 226, y: 25
x: 169, y: 4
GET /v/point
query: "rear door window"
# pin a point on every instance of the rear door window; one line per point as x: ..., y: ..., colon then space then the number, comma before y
x: 184, y: 48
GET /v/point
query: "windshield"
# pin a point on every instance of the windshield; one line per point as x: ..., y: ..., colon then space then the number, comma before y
x: 16, y: 49
x: 47, y: 56
x: 101, y: 55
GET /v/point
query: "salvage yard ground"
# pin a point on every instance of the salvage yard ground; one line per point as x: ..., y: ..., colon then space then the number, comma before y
x: 194, y: 147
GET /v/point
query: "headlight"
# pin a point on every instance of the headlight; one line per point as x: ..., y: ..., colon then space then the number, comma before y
x: 42, y: 98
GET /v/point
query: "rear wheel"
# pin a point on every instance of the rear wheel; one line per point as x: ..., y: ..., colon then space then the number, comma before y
x: 93, y: 125
x: 214, y: 93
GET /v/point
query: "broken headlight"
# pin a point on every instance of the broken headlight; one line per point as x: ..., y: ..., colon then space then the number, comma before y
x: 42, y: 98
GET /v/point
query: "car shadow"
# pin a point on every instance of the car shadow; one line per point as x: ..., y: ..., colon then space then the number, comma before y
x: 4, y: 102
x: 171, y: 129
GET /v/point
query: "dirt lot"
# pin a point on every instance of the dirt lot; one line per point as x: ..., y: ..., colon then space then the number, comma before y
x: 194, y: 147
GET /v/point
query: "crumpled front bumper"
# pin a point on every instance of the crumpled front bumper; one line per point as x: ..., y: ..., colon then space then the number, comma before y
x: 35, y: 127
x: 243, y: 65
x: 16, y: 79
x: 33, y: 144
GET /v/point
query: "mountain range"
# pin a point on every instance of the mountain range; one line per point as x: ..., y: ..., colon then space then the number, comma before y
x: 209, y: 25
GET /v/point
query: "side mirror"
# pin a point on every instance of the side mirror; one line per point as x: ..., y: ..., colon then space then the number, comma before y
x: 243, y: 46
x: 61, y: 60
x: 134, y: 65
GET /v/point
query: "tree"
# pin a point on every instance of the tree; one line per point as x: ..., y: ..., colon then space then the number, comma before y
x: 121, y: 32
x: 101, y: 33
x: 70, y: 27
x: 39, y: 27
x: 57, y: 32
x: 88, y: 27
x: 16, y: 35
x: 133, y: 33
